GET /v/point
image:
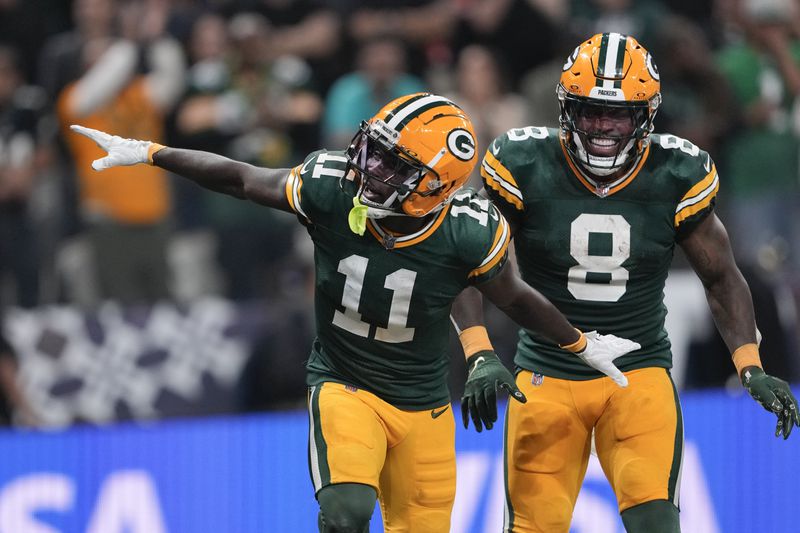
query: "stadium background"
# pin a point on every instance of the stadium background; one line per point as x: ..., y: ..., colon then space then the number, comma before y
x: 183, y: 411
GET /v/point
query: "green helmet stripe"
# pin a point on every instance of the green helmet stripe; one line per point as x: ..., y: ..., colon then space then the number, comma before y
x: 601, y: 60
x: 619, y: 63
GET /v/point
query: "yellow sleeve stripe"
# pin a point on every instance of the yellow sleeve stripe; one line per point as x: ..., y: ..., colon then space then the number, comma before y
x: 499, y: 178
x: 698, y: 198
x: 499, y: 248
x: 294, y: 185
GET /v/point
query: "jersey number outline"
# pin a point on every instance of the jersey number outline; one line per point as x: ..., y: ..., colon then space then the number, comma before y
x: 477, y: 208
x: 607, y: 265
x: 400, y: 282
x: 671, y: 142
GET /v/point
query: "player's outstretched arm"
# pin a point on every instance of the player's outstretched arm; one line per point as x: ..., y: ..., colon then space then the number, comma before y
x: 531, y: 310
x: 262, y: 185
x: 708, y: 249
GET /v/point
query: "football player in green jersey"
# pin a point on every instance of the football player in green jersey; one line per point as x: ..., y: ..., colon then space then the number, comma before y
x: 596, y: 208
x: 395, y: 242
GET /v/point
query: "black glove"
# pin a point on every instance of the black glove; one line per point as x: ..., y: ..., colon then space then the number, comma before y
x: 775, y: 396
x: 487, y: 374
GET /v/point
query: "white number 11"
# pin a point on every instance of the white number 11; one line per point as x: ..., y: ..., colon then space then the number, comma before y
x: 400, y: 282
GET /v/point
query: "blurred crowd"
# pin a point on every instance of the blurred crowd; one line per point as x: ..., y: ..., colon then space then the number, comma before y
x: 268, y: 81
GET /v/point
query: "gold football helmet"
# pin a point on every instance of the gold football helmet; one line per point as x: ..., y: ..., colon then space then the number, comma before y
x: 412, y: 156
x: 610, y: 76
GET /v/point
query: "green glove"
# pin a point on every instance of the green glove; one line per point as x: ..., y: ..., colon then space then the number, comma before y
x: 486, y: 375
x: 775, y: 396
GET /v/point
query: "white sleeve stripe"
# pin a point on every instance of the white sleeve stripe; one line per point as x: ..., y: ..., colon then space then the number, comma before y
x: 500, y: 243
x: 503, y: 183
x: 699, y: 196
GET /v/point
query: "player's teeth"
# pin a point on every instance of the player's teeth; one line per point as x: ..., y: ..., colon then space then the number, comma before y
x: 603, y: 142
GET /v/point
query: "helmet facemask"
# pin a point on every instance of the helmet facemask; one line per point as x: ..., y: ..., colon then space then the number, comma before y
x: 387, y: 173
x: 609, y: 92
x: 604, y: 134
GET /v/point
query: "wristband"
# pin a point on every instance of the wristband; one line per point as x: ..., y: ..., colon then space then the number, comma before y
x: 474, y: 340
x: 151, y: 151
x: 744, y: 356
x: 577, y: 346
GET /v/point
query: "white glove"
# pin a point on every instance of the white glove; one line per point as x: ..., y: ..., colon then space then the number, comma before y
x: 601, y: 350
x: 121, y: 152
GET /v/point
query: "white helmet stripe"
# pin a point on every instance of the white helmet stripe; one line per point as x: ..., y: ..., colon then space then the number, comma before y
x: 406, y: 111
x: 610, y: 64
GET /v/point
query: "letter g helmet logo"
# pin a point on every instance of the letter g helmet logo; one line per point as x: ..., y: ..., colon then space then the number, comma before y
x: 461, y: 144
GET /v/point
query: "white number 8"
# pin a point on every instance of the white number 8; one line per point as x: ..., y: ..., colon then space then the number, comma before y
x: 577, y: 281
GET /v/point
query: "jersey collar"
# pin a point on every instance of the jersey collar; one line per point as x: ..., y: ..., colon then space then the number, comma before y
x: 390, y: 240
x: 605, y: 189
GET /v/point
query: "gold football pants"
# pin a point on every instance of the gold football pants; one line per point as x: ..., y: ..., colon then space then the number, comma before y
x: 407, y: 456
x: 638, y: 438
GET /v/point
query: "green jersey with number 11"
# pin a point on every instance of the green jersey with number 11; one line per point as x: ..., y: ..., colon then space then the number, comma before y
x: 599, y: 251
x: 382, y: 301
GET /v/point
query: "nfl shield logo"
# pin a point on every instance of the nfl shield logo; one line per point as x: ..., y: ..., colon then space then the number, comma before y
x: 536, y: 379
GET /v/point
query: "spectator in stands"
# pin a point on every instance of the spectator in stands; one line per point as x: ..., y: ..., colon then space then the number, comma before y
x: 381, y: 75
x: 132, y: 210
x: 61, y: 58
x: 21, y: 150
x: 761, y: 158
x: 310, y: 30
x: 525, y: 33
x: 697, y: 97
x: 641, y: 17
x: 242, y: 103
x: 483, y: 93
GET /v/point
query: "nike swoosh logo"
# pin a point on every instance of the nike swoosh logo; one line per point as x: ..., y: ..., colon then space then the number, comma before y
x: 437, y: 414
x: 493, y: 214
x: 478, y: 361
x: 495, y: 148
x: 305, y: 166
x: 707, y: 164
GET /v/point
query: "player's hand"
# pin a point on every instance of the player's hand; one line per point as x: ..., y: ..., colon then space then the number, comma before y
x: 775, y: 396
x: 601, y: 350
x: 121, y: 152
x: 487, y: 374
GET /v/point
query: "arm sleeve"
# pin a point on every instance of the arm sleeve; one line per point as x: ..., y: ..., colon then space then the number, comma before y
x: 294, y: 187
x: 500, y: 183
x: 310, y: 186
x: 495, y: 255
x: 699, y: 200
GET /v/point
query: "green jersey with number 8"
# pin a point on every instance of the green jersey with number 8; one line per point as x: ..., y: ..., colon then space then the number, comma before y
x: 382, y: 300
x: 599, y: 251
